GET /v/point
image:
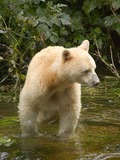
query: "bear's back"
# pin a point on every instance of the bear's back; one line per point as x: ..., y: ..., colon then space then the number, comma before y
x: 46, y: 57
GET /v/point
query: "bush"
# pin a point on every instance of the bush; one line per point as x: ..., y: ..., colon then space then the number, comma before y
x: 27, y: 26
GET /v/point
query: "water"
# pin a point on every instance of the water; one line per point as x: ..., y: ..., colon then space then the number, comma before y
x: 97, y: 136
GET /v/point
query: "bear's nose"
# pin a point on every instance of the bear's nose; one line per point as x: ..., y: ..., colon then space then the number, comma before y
x: 96, y: 83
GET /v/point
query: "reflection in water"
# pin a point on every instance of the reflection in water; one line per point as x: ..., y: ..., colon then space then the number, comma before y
x: 45, y: 148
x: 97, y: 136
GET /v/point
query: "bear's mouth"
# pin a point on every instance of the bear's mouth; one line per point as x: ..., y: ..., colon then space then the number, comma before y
x: 96, y: 84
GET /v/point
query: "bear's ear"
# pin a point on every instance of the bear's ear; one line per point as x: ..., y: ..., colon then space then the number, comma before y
x: 66, y: 55
x: 85, y: 45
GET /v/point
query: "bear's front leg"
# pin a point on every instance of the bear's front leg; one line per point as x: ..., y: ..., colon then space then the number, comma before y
x: 68, y: 121
x: 28, y: 121
x: 69, y: 110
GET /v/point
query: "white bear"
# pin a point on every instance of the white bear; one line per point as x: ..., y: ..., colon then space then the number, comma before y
x: 53, y: 84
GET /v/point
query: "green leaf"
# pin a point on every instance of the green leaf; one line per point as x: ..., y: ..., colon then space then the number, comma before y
x: 22, y: 77
x: 65, y: 19
x: 13, y: 63
x: 38, y: 1
x: 42, y: 19
x: 33, y: 21
x: 3, y: 31
x: 76, y: 21
x: 78, y: 38
x: 41, y: 12
x: 61, y: 5
x: 55, y: 20
x: 65, y: 22
x: 97, y: 30
x: 45, y: 20
x: 44, y: 30
x: 117, y: 28
x: 111, y: 20
x: 63, y: 31
x: 89, y: 5
x: 54, y: 37
x: 99, y: 43
x: 2, y: 140
x: 1, y: 58
x: 116, y: 4
x: 6, y: 141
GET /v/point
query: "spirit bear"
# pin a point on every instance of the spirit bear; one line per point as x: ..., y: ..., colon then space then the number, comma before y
x: 53, y: 83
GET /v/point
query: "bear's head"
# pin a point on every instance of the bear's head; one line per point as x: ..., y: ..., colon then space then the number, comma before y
x: 78, y: 66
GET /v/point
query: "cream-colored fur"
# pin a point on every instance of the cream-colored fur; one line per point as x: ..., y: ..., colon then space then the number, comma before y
x: 53, y: 83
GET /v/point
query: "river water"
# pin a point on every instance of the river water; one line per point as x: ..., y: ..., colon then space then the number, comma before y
x: 97, y: 136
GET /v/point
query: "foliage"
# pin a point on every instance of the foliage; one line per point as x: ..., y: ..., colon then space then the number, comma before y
x: 9, y: 121
x: 105, y: 31
x: 27, y: 26
x: 6, y: 141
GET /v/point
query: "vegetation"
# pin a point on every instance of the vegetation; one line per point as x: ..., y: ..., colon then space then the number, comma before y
x: 27, y: 26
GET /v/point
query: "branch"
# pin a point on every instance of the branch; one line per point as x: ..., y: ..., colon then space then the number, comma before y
x: 111, y: 67
x: 111, y: 8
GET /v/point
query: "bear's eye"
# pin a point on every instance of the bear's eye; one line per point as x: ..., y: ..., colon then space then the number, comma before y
x: 86, y: 71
